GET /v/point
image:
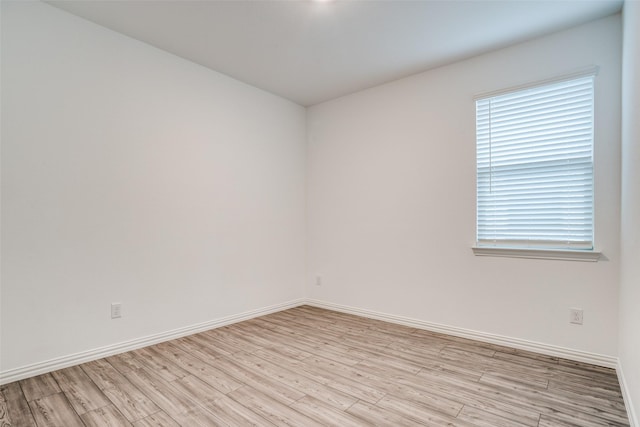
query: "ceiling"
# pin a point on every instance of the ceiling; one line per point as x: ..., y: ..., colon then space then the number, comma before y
x: 309, y: 51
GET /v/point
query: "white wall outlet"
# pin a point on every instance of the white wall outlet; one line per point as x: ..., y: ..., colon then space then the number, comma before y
x: 116, y: 310
x: 576, y: 316
x: 318, y: 280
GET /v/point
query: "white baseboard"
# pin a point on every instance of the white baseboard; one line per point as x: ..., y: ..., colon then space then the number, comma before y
x: 633, y: 419
x: 39, y: 368
x: 98, y: 353
x: 536, y: 347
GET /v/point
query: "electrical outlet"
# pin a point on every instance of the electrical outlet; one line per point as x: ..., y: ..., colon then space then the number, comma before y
x: 318, y: 280
x: 116, y: 310
x: 576, y: 316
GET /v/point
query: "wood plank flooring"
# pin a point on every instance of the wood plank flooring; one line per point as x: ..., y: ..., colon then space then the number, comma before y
x: 312, y: 367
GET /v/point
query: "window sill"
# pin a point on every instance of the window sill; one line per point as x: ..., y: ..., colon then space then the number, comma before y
x: 557, y: 254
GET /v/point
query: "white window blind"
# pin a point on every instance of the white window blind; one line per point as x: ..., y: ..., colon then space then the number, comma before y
x: 535, y: 167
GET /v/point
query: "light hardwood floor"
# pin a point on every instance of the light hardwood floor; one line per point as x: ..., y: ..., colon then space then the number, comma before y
x: 312, y: 367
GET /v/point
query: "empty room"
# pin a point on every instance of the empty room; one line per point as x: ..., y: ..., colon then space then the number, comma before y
x: 320, y: 213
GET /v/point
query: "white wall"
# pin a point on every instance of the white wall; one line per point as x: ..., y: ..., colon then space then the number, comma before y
x: 630, y: 226
x: 391, y: 201
x: 131, y: 175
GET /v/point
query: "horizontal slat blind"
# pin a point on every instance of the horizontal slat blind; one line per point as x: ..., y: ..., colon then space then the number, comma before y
x: 535, y: 167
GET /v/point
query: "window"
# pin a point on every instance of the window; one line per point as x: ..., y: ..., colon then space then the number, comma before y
x: 535, y: 167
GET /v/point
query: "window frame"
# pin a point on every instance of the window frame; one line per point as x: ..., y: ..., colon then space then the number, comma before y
x: 516, y: 251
